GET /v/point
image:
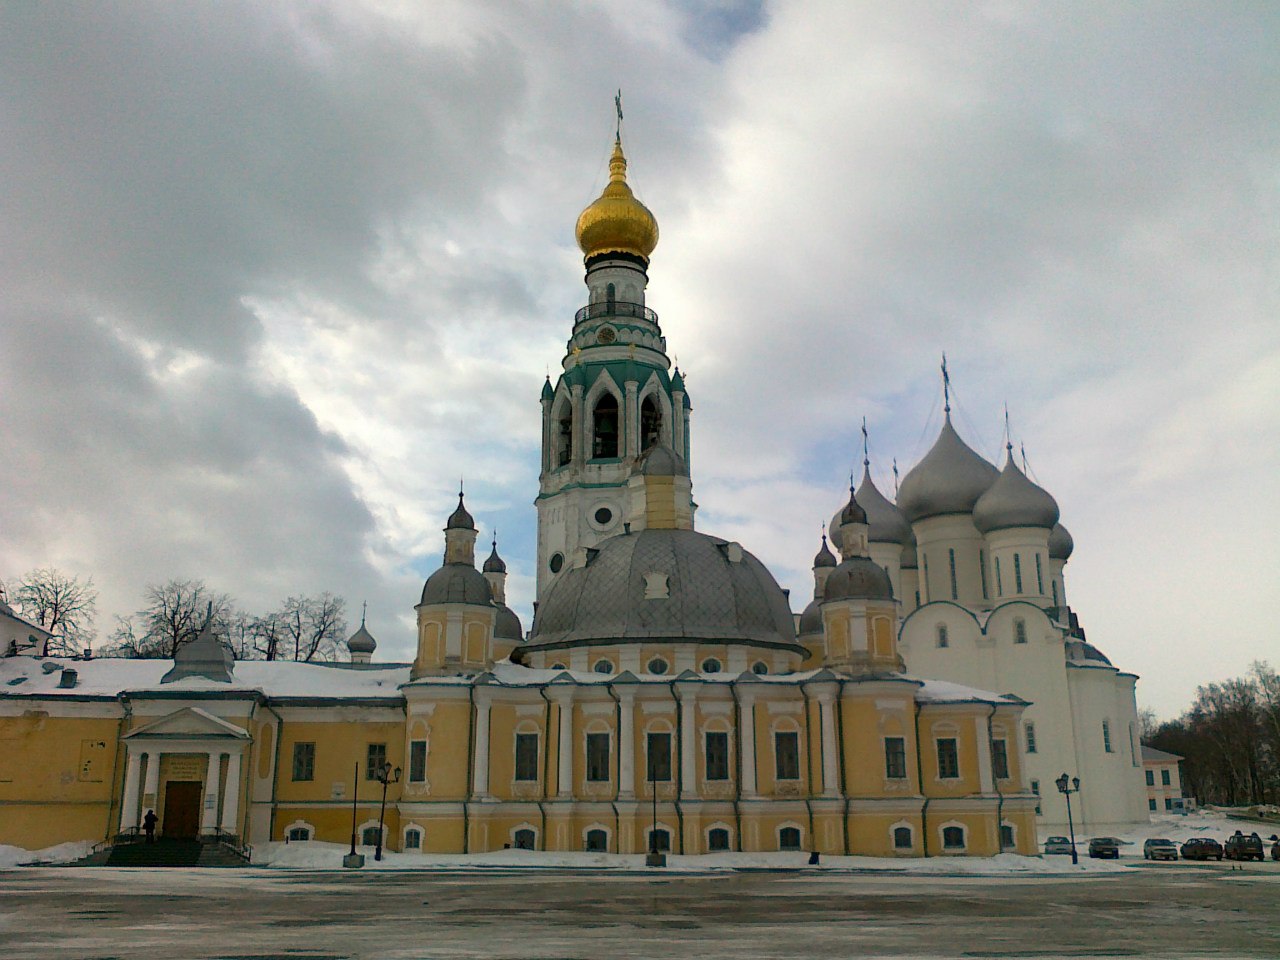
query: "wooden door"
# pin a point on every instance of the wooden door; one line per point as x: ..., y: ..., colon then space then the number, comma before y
x: 182, y: 808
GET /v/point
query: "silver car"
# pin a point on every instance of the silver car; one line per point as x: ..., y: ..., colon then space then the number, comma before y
x: 1057, y: 845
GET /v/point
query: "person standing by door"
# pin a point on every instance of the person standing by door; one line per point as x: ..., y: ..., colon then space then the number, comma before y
x: 149, y: 825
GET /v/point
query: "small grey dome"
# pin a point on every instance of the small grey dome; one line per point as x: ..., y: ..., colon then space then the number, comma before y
x: 851, y: 512
x: 1061, y: 545
x: 494, y: 563
x: 885, y: 522
x: 460, y: 519
x: 668, y: 585
x: 949, y: 479
x: 858, y: 578
x: 908, y: 560
x: 362, y: 641
x: 507, y: 625
x: 824, y: 557
x: 811, y: 619
x: 457, y: 583
x: 661, y: 461
x: 1014, y: 501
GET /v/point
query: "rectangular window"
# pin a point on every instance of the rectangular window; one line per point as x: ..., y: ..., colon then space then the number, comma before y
x: 948, y: 759
x: 999, y: 580
x: 1031, y: 737
x: 1164, y: 778
x: 786, y: 755
x: 1168, y: 803
x: 598, y: 757
x: 717, y: 755
x: 659, y: 749
x: 1035, y: 788
x: 924, y: 568
x: 951, y: 559
x: 375, y: 759
x: 1151, y: 778
x: 1039, y: 576
x: 1106, y: 736
x: 526, y: 756
x: 1000, y: 759
x: 1017, y: 572
x: 982, y: 571
x: 304, y: 761
x: 1151, y: 804
x: 895, y: 758
x: 417, y: 761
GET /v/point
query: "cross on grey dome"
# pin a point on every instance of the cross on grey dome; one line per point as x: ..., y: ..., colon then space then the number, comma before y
x: 494, y: 563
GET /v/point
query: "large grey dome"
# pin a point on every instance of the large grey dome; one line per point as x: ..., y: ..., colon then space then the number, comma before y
x: 666, y: 585
x: 885, y: 522
x: 858, y: 578
x: 457, y: 583
x: 507, y: 625
x: 949, y: 479
x: 1061, y: 545
x: 1014, y: 501
x: 811, y: 619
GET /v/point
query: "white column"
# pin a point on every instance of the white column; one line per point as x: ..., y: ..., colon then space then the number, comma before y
x: 565, y: 767
x: 480, y: 779
x: 748, y: 738
x: 688, y: 742
x: 633, y: 419
x: 231, y: 794
x: 627, y: 747
x: 152, y: 782
x: 129, y: 802
x: 210, y: 818
x: 830, y: 771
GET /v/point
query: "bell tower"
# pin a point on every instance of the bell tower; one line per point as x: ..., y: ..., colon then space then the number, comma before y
x: 617, y: 396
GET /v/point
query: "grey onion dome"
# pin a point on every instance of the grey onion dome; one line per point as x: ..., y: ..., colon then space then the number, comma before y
x: 457, y: 583
x: 661, y: 461
x: 949, y: 479
x: 460, y: 519
x: 908, y: 560
x: 885, y: 522
x: 506, y: 625
x: 362, y: 641
x: 811, y: 619
x: 824, y: 557
x: 858, y: 578
x: 852, y: 511
x: 669, y: 585
x: 494, y: 563
x: 1014, y: 501
x: 1061, y: 545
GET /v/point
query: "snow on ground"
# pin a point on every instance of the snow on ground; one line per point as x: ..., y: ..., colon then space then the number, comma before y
x: 1178, y: 828
x: 62, y: 853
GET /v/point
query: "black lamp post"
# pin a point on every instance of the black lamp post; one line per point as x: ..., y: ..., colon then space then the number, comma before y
x: 1067, y: 787
x: 386, y: 777
x: 354, y: 859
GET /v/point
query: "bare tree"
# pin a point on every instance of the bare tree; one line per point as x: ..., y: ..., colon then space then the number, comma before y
x: 64, y: 605
x: 267, y: 632
x: 175, y: 613
x: 312, y: 627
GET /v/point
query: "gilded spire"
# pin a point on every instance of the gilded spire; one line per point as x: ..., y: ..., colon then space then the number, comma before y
x: 616, y: 222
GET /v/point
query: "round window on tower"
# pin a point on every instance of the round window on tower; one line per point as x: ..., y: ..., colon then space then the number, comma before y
x: 760, y: 668
x: 711, y: 665
x: 604, y: 516
x: 606, y: 335
x: 658, y: 665
x: 557, y: 562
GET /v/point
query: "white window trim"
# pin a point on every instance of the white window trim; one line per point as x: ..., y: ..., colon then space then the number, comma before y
x: 706, y: 836
x: 370, y: 824
x: 947, y: 731
x: 412, y: 827
x: 942, y: 837
x: 608, y: 835
x: 787, y: 725
x: 660, y: 825
x: 426, y: 761
x: 1013, y: 828
x: 893, y: 845
x: 526, y: 727
x: 511, y: 834
x: 788, y: 824
x: 301, y: 825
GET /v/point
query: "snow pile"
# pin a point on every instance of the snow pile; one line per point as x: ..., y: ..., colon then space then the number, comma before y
x: 62, y: 853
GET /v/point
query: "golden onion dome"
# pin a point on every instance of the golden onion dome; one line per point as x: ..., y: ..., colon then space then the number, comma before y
x: 617, y: 222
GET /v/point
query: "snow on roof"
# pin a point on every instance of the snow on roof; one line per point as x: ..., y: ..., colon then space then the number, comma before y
x: 1152, y: 755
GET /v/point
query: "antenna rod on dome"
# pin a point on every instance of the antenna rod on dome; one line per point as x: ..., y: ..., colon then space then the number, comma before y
x: 617, y: 103
x: 946, y: 385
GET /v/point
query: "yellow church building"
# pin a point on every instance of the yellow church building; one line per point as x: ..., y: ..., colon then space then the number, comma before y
x: 665, y: 698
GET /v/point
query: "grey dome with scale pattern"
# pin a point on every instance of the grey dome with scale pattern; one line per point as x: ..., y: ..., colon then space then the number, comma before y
x: 858, y: 578
x: 666, y: 585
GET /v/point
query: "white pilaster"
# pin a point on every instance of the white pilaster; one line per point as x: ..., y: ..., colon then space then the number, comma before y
x: 627, y: 746
x: 209, y: 821
x: 152, y: 780
x: 564, y: 786
x: 231, y: 794
x: 688, y: 742
x: 986, y: 780
x: 830, y: 771
x: 632, y: 419
x: 129, y: 802
x: 748, y: 736
x: 480, y: 776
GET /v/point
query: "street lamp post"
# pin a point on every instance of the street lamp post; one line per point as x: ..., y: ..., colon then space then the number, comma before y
x: 354, y: 859
x: 1067, y: 787
x: 386, y: 777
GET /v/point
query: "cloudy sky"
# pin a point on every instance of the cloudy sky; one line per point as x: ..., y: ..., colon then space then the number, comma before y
x: 276, y: 274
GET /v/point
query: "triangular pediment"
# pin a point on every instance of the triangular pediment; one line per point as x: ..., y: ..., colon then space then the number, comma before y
x: 187, y: 724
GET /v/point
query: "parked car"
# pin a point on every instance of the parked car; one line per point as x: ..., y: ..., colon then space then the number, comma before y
x: 1240, y: 847
x: 1159, y: 849
x: 1275, y: 847
x: 1202, y: 848
x: 1057, y: 845
x: 1104, y: 848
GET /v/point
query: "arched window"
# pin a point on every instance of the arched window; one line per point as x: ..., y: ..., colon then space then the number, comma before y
x: 943, y: 639
x: 604, y: 424
x: 369, y: 836
x: 597, y: 841
x: 1019, y: 630
x: 558, y: 666
x: 711, y: 665
x: 717, y: 839
x: 562, y: 436
x: 610, y: 295
x: 760, y: 668
x: 1007, y: 839
x: 603, y: 666
x: 1017, y: 572
x: 650, y: 422
x: 298, y: 834
x: 789, y: 838
x: 902, y: 838
x: 413, y: 839
x: 659, y: 840
x: 953, y: 838
x: 525, y: 839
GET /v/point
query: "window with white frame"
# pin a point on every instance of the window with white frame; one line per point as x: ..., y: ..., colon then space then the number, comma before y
x: 417, y: 761
x: 789, y: 838
x: 1019, y: 630
x: 895, y: 758
x: 526, y: 757
x: 902, y: 838
x: 597, y: 840
x: 1035, y: 788
x: 717, y: 754
x: 413, y: 839
x: 370, y: 835
x: 660, y: 840
x: 598, y: 757
x: 948, y: 758
x: 717, y: 839
x: 943, y: 637
x: 953, y: 838
x: 304, y: 761
x: 298, y: 834
x: 525, y: 839
x: 1008, y: 838
x: 1000, y: 759
x: 786, y: 754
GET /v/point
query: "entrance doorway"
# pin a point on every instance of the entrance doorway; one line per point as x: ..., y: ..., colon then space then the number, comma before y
x: 182, y: 808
